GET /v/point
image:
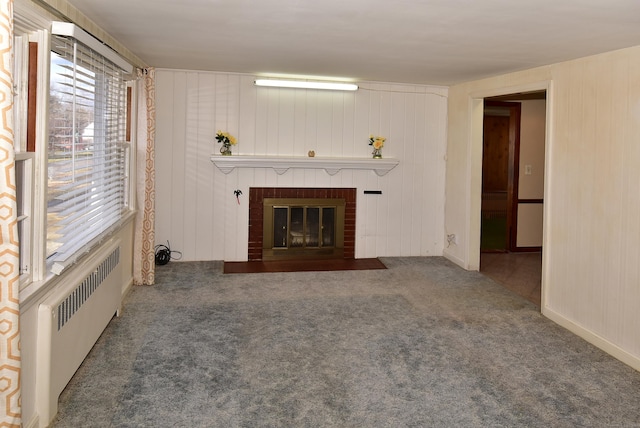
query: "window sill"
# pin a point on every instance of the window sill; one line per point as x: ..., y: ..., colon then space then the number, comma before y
x: 34, y: 292
x: 282, y: 164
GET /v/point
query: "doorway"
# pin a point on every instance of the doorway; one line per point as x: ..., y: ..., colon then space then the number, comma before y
x: 512, y: 191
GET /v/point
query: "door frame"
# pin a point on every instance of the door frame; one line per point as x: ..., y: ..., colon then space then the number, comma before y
x: 471, y: 256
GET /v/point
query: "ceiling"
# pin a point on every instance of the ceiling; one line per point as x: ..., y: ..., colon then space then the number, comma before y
x: 439, y: 42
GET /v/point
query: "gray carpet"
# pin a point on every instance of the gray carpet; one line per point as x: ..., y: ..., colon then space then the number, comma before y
x: 421, y: 344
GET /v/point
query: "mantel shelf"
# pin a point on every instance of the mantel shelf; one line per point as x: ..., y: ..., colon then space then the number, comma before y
x: 281, y: 164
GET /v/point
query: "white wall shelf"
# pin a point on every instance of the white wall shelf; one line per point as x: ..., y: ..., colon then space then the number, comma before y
x: 281, y: 164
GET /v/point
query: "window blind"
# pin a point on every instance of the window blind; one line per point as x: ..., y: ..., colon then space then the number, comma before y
x: 87, y: 152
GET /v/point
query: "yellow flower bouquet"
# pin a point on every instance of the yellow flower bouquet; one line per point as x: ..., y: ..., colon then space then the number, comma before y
x: 227, y: 141
x: 377, y: 143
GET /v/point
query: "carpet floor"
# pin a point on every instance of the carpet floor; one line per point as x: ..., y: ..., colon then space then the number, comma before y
x: 422, y: 343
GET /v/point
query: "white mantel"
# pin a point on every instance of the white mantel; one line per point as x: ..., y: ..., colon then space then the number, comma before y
x: 281, y: 164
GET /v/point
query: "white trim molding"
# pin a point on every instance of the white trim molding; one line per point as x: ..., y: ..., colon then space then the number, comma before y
x: 595, y: 339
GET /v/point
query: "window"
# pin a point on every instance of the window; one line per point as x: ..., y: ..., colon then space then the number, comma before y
x: 24, y: 115
x: 24, y: 179
x: 87, y: 152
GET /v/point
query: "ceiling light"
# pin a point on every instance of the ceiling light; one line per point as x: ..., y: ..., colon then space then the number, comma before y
x: 306, y: 84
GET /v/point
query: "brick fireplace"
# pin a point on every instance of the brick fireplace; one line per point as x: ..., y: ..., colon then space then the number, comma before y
x: 256, y: 213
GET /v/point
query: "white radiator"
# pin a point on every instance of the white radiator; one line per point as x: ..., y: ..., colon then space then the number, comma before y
x: 70, y: 321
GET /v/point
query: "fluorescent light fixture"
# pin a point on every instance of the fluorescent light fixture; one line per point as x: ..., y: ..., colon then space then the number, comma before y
x: 70, y: 30
x: 306, y: 84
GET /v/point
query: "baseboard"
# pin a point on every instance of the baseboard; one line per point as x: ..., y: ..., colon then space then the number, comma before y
x: 527, y: 250
x: 33, y: 423
x: 596, y: 340
x: 454, y: 259
x: 127, y: 288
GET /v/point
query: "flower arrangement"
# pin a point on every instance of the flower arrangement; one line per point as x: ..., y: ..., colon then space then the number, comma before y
x: 377, y: 143
x: 227, y: 141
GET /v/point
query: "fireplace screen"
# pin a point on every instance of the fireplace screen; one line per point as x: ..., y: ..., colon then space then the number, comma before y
x: 303, y: 228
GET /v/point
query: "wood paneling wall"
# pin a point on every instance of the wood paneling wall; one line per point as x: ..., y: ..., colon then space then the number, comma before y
x: 196, y: 209
x: 592, y: 208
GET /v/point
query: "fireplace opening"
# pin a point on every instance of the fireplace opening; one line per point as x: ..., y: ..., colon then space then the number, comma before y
x: 332, y: 209
x: 297, y: 228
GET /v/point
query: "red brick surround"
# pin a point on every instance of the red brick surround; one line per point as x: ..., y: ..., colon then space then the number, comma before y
x: 257, y: 195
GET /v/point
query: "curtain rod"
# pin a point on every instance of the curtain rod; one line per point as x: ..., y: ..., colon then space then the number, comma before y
x: 51, y: 9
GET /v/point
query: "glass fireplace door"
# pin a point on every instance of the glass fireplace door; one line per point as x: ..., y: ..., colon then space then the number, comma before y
x: 297, y: 230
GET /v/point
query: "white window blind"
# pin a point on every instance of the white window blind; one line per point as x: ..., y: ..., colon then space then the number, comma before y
x: 87, y: 153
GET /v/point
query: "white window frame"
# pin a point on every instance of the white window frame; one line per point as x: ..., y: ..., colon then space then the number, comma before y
x: 23, y: 159
x: 29, y: 171
x: 32, y: 23
x: 24, y: 197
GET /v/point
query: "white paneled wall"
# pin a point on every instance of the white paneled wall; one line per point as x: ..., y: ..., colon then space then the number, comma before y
x: 196, y: 209
x: 591, y: 273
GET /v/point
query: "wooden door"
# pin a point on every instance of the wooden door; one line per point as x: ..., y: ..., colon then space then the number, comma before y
x: 495, y: 174
x: 501, y: 136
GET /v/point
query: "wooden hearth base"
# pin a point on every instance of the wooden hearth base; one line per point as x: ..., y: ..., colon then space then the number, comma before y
x: 302, y: 265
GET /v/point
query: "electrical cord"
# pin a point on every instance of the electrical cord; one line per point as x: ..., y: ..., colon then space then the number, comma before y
x: 164, y: 254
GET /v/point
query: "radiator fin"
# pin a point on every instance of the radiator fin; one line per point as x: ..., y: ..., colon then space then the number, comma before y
x: 74, y: 301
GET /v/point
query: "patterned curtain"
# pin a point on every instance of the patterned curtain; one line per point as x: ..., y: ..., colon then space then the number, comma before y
x: 143, y: 250
x: 9, y: 250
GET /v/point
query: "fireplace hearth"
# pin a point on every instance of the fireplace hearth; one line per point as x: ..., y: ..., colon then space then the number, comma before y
x: 301, y: 223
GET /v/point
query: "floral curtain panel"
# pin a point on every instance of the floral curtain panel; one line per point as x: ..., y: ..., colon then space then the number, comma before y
x: 144, y: 257
x: 9, y: 250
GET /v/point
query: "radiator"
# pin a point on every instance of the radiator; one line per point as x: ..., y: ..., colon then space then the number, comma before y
x: 70, y: 321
